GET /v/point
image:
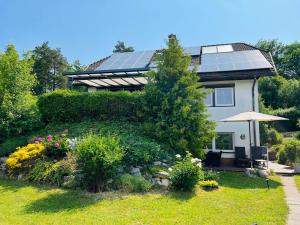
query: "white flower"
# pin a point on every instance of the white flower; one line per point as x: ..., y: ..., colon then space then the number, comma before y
x: 72, y: 143
x: 199, y: 165
x: 170, y: 169
x: 178, y: 156
x: 195, y: 160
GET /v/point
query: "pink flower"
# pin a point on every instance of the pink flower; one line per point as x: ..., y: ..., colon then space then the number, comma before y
x: 49, y: 138
x: 66, y: 130
x: 56, y: 145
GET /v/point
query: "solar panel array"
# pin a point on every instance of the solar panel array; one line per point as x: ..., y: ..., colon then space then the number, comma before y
x: 127, y: 60
x: 231, y: 61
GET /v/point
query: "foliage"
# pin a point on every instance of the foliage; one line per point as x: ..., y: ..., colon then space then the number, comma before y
x: 11, y: 143
x: 98, y: 105
x: 291, y: 152
x: 292, y: 114
x: 57, y: 145
x: 24, y: 157
x: 139, y: 150
x: 174, y: 103
x: 98, y: 158
x: 274, y: 137
x: 209, y: 184
x: 120, y: 47
x: 184, y: 175
x: 274, y: 152
x: 297, y: 135
x: 38, y: 205
x: 46, y: 172
x: 49, y: 65
x: 211, y: 175
x: 130, y: 183
x: 18, y: 111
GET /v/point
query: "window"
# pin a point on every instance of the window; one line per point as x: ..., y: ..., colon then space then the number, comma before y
x: 224, y: 96
x: 220, y: 95
x: 216, y: 49
x: 224, y: 141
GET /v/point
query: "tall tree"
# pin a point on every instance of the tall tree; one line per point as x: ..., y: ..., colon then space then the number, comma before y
x: 175, y: 102
x: 16, y: 100
x: 76, y: 66
x: 120, y: 47
x: 291, y: 60
x: 49, y: 65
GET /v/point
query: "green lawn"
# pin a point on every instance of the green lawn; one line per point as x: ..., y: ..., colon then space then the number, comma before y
x: 240, y: 200
x: 297, y: 179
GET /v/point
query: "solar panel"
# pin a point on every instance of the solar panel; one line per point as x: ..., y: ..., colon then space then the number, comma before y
x: 192, y: 50
x: 127, y: 60
x: 230, y: 61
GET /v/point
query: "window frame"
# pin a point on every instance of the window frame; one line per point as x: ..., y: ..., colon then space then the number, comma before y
x: 225, y: 150
x: 213, y: 89
x: 232, y: 96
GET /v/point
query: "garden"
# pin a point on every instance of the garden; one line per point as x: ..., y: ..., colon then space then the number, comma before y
x: 67, y: 154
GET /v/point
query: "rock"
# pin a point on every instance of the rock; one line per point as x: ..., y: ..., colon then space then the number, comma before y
x: 162, y: 174
x: 165, y: 182
x: 157, y: 163
x: 3, y: 160
x: 263, y: 173
x: 3, y: 168
x: 135, y: 171
x: 20, y: 177
x: 251, y: 172
x: 165, y: 165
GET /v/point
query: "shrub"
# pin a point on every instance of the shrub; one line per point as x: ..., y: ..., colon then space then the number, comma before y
x: 274, y: 137
x: 273, y: 152
x: 130, y: 183
x: 211, y: 175
x: 98, y: 158
x: 281, y: 156
x: 47, y: 173
x: 293, y: 114
x: 297, y: 135
x: 292, y: 151
x: 24, y: 157
x: 97, y: 105
x: 209, y: 184
x: 184, y: 175
x: 141, y: 151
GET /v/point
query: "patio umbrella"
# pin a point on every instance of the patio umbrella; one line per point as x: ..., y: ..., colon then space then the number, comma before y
x: 252, y: 117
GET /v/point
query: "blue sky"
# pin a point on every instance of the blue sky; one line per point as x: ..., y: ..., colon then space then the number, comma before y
x: 88, y: 30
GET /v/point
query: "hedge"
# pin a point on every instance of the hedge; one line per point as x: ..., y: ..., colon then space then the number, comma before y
x: 70, y: 106
x: 293, y: 114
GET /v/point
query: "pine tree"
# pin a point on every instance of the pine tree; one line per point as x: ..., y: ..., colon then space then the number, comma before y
x: 175, y: 102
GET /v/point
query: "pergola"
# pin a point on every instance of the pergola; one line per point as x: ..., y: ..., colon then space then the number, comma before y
x: 110, y: 79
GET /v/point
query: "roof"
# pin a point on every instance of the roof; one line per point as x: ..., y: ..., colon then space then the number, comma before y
x: 233, y: 61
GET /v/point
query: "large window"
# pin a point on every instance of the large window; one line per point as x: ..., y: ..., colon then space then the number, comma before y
x: 220, y: 96
x: 224, y: 141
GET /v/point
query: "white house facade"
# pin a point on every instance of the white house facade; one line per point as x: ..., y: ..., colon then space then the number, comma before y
x: 229, y: 73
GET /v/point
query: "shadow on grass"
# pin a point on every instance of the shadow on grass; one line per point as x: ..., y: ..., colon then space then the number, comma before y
x: 241, y: 181
x: 57, y: 202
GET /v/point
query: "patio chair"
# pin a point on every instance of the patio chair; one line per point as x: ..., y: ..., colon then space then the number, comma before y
x: 213, y: 158
x: 240, y: 157
x: 259, y: 156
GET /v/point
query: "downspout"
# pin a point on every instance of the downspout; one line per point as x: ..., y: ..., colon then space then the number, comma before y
x: 253, y: 109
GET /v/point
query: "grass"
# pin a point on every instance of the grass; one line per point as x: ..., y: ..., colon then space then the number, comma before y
x: 297, y: 180
x: 76, y: 130
x: 240, y: 200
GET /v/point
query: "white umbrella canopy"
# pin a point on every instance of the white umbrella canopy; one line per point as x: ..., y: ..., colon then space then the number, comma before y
x: 252, y: 116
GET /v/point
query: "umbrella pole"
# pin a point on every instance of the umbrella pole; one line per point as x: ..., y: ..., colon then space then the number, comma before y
x: 249, y: 122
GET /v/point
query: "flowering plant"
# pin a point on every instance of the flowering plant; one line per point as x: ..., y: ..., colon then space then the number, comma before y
x: 57, y: 145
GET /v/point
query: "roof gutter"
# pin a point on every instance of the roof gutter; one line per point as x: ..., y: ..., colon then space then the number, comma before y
x: 253, y: 109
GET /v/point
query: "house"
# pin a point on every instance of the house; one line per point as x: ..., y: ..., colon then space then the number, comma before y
x: 229, y: 71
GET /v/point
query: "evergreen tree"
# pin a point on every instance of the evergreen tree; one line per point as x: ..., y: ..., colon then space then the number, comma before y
x: 120, y: 47
x: 49, y: 65
x: 175, y: 102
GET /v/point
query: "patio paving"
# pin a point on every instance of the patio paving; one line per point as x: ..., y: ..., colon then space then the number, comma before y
x: 292, y: 196
x: 281, y: 169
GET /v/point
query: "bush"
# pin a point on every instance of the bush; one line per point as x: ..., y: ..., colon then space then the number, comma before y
x: 273, y: 152
x: 211, y: 175
x: 56, y: 145
x: 24, y: 157
x: 293, y: 114
x: 281, y: 156
x: 98, y: 158
x: 184, y: 175
x: 97, y: 105
x: 48, y: 173
x: 274, y: 137
x: 297, y: 135
x: 209, y: 184
x: 140, y: 150
x: 290, y: 153
x: 130, y: 183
